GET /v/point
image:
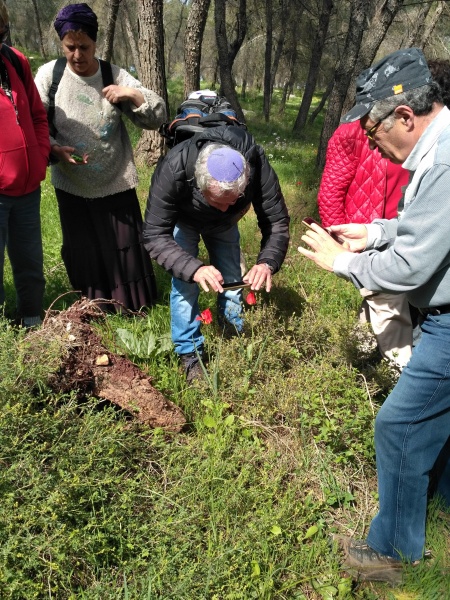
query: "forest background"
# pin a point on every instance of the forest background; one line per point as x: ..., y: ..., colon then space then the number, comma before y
x: 278, y: 451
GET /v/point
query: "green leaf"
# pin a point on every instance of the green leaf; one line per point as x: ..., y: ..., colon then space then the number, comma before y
x: 209, y: 421
x: 276, y: 530
x: 310, y: 532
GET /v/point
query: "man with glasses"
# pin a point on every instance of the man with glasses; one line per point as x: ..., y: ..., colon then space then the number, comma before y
x: 400, y: 107
x: 24, y: 152
x: 201, y: 189
x: 358, y: 186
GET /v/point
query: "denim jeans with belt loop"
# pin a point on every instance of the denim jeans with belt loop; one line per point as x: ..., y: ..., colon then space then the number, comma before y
x: 412, y: 432
x: 224, y: 253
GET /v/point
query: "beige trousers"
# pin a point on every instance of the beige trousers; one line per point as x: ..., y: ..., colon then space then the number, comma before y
x: 390, y: 319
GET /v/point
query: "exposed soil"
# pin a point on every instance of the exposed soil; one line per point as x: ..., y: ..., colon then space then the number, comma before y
x: 88, y: 367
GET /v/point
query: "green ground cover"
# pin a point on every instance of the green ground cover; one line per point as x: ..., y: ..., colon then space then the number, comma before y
x: 276, y: 457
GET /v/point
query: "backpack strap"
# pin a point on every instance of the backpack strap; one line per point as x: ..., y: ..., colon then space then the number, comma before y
x: 14, y: 60
x: 58, y: 71
x: 107, y: 77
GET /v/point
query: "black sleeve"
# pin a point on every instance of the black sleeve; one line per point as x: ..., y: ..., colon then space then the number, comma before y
x: 168, y: 189
x: 271, y: 212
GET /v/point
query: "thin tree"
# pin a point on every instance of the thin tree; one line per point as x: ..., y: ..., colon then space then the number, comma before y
x: 151, y: 45
x: 379, y: 23
x: 130, y: 31
x: 193, y: 40
x: 110, y: 29
x: 343, y: 75
x: 313, y: 72
x: 268, y: 60
x: 39, y: 29
x: 227, y: 52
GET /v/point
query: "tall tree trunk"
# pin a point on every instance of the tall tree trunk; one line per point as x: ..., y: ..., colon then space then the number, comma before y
x: 284, y: 12
x: 39, y: 29
x: 131, y: 37
x: 359, y: 9
x: 291, y: 60
x: 227, y: 54
x: 151, y: 45
x: 268, y: 59
x: 384, y: 14
x: 193, y: 40
x: 313, y: 73
x: 110, y: 29
x: 174, y: 41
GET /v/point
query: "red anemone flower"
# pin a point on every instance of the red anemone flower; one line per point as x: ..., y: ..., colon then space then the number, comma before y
x: 251, y: 298
x: 205, y: 317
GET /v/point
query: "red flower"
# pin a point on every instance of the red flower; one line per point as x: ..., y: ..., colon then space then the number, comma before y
x: 251, y: 298
x: 205, y: 317
x: 298, y: 183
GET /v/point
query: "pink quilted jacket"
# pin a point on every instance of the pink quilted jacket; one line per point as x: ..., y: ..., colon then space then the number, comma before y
x: 357, y: 185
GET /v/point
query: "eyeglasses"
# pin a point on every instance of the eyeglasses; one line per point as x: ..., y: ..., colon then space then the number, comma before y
x: 371, y: 132
x: 4, y: 34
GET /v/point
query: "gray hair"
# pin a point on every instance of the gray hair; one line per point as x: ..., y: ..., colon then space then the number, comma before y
x: 420, y: 100
x: 205, y: 180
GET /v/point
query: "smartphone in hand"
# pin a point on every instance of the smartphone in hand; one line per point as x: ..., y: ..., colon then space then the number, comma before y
x: 309, y: 221
x: 235, y: 285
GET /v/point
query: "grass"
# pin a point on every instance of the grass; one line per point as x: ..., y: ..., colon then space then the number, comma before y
x: 277, y: 454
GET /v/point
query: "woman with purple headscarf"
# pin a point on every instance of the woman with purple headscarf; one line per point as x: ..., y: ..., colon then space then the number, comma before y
x: 95, y: 177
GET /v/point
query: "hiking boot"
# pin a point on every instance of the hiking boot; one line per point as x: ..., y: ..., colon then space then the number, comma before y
x: 361, y: 561
x: 191, y: 365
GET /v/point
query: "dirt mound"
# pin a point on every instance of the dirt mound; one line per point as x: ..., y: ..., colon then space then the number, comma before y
x: 88, y: 367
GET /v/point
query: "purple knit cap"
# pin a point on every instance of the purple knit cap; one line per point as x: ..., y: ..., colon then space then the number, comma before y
x: 225, y: 164
x: 76, y: 17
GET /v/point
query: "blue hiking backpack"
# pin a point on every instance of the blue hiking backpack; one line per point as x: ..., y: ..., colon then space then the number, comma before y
x: 201, y: 109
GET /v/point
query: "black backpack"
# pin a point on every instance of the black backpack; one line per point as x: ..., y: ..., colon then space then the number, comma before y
x: 14, y: 60
x: 200, y: 110
x: 58, y: 71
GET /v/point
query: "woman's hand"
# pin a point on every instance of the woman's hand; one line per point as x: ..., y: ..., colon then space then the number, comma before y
x: 66, y: 153
x: 119, y: 93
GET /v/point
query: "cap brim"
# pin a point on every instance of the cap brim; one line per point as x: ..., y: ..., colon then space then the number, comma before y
x: 357, y: 112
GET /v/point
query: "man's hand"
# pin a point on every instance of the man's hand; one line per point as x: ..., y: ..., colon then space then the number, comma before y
x: 258, y: 276
x: 325, y: 249
x: 209, y: 275
x: 354, y: 235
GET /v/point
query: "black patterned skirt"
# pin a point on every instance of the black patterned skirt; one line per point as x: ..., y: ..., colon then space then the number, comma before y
x: 102, y: 249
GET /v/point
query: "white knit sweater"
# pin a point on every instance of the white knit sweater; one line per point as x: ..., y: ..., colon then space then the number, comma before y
x: 85, y: 120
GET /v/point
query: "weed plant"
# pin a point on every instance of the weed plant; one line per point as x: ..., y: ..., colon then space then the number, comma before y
x: 277, y: 454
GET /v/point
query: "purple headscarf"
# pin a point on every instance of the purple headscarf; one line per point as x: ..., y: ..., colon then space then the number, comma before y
x: 77, y: 17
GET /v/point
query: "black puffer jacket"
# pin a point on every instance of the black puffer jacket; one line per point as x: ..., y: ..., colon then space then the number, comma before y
x: 174, y: 198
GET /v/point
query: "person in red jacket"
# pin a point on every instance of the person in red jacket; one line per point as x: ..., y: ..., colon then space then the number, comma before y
x: 24, y: 152
x: 358, y: 186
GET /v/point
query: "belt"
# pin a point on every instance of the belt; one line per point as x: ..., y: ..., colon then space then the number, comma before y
x: 435, y: 310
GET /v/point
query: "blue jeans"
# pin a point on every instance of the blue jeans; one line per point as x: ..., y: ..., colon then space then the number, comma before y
x: 412, y: 432
x: 224, y: 253
x: 20, y: 233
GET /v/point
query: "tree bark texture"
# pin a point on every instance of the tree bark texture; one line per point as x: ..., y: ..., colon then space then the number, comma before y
x: 153, y: 76
x: 39, y: 29
x: 110, y: 29
x: 226, y: 58
x: 193, y: 40
x: 131, y: 35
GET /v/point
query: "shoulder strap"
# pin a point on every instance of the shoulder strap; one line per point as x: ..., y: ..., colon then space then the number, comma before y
x: 58, y: 71
x: 14, y: 60
x: 107, y: 77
